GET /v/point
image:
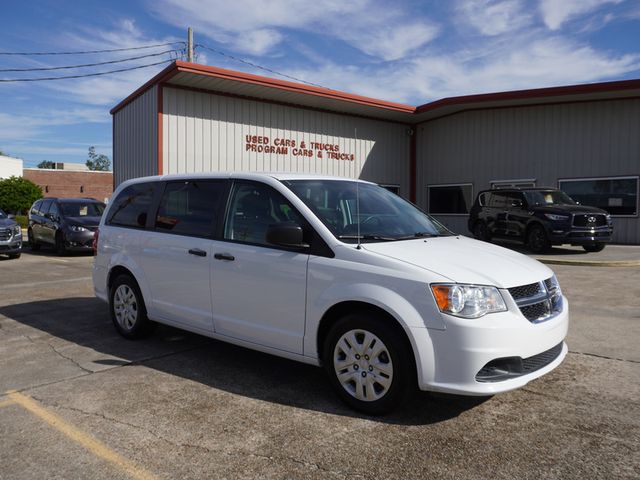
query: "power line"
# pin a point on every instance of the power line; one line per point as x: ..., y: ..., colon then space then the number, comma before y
x: 87, y: 64
x: 259, y: 66
x: 94, y: 51
x: 6, y: 80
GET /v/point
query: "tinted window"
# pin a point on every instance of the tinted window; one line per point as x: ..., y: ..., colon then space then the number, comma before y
x: 44, y: 208
x: 450, y: 199
x: 36, y: 208
x: 498, y: 200
x: 618, y: 196
x: 54, y: 211
x: 131, y: 207
x: 392, y: 188
x: 253, y: 208
x: 191, y: 207
x: 82, y: 209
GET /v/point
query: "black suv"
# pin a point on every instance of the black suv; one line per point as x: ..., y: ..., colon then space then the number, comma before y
x: 65, y: 223
x: 539, y: 217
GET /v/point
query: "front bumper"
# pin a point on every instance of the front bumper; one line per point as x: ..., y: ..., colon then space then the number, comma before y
x: 467, y: 346
x: 11, y: 246
x: 79, y: 241
x: 580, y: 236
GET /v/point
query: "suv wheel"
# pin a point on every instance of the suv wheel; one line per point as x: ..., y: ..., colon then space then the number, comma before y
x: 14, y: 255
x: 369, y: 363
x: 35, y: 246
x: 481, y: 232
x: 537, y: 239
x: 127, y: 309
x: 597, y: 247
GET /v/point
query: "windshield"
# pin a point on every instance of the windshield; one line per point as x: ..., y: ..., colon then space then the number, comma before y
x: 2, y: 214
x: 548, y: 197
x: 82, y: 209
x: 382, y: 216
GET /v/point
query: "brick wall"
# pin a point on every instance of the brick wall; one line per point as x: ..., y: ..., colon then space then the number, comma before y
x: 70, y: 184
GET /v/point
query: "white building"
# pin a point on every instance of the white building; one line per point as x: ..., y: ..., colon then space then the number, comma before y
x: 10, y: 167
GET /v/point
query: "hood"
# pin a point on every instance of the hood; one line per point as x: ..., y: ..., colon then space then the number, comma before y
x: 465, y: 260
x: 7, y: 222
x: 579, y: 209
x: 85, y: 221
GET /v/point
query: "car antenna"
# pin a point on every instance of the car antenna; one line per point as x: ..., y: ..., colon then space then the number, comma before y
x: 358, y: 247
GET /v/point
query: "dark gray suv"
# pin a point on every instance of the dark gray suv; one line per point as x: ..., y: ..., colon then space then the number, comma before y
x: 10, y: 236
x: 67, y: 224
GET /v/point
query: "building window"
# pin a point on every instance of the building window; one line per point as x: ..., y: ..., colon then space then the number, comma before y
x: 616, y: 195
x: 392, y: 188
x: 518, y: 183
x: 450, y: 199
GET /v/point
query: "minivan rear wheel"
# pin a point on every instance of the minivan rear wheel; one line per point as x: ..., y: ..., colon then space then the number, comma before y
x: 369, y: 363
x: 127, y: 309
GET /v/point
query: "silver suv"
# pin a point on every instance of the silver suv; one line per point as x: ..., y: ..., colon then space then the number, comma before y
x: 10, y: 236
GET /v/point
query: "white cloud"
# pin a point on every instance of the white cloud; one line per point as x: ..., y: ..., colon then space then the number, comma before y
x: 378, y: 28
x: 495, y: 17
x: 22, y: 126
x: 556, y: 12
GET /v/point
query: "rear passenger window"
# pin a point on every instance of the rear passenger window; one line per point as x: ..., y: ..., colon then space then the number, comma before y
x: 191, y: 207
x: 131, y: 207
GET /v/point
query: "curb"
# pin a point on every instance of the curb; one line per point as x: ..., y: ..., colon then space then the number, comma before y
x: 591, y: 263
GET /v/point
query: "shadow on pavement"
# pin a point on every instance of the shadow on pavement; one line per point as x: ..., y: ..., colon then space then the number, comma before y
x: 85, y: 322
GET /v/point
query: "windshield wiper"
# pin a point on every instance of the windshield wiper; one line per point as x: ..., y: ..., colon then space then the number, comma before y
x: 419, y: 235
x: 367, y: 237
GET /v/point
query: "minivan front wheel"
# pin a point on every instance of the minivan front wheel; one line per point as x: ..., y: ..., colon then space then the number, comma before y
x: 368, y: 363
x: 128, y: 312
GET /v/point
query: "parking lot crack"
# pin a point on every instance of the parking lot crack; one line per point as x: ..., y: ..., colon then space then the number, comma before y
x: 603, y: 356
x: 62, y: 355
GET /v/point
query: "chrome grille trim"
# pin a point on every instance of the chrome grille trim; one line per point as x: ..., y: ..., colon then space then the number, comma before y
x: 542, y: 302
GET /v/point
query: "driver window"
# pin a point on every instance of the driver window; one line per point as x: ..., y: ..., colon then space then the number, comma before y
x: 253, y: 208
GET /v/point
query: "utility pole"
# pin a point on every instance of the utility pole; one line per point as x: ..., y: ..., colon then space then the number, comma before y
x: 190, y: 45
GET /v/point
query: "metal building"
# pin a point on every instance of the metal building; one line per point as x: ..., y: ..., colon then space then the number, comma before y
x: 584, y: 139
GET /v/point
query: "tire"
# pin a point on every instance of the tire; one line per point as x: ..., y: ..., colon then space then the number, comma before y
x: 598, y: 247
x: 537, y: 240
x: 14, y: 255
x: 127, y: 309
x: 481, y: 232
x: 35, y: 246
x: 61, y: 249
x: 372, y: 388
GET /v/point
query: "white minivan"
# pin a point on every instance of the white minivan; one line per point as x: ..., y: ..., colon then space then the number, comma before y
x: 333, y: 272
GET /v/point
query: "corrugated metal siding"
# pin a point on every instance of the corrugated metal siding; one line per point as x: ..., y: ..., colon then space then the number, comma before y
x: 205, y: 132
x: 548, y: 143
x: 135, y: 138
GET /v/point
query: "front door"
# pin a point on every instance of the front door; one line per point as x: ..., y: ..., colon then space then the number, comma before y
x: 259, y: 291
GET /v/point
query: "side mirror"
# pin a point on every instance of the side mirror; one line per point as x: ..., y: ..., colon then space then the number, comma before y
x: 288, y: 235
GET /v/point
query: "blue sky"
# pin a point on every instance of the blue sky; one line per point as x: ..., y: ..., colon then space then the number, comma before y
x: 405, y: 51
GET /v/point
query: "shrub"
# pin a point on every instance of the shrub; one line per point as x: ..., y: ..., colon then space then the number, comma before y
x: 17, y: 194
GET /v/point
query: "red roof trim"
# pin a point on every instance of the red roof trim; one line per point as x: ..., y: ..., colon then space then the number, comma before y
x: 531, y: 94
x: 195, y: 68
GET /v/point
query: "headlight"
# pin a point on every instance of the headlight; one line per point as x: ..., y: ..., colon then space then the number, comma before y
x: 468, y: 301
x: 556, y: 218
x: 77, y: 228
x: 17, y: 230
x: 608, y: 217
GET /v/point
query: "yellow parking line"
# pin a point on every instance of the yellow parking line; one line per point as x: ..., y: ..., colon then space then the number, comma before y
x: 6, y: 403
x: 86, y: 441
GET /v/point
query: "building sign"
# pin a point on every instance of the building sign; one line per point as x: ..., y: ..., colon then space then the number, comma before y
x: 288, y: 146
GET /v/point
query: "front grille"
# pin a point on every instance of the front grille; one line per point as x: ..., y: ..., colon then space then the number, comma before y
x: 538, y: 301
x: 525, y: 291
x: 589, y: 220
x: 506, y: 368
x: 5, y: 234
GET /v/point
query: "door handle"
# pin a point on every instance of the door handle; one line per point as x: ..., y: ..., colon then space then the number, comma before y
x: 198, y: 252
x: 224, y: 256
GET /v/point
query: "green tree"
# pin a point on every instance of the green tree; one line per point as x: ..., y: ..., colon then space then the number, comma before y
x: 47, y: 164
x: 98, y: 162
x: 17, y: 194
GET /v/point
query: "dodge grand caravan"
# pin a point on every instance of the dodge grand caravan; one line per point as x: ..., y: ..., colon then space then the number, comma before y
x: 331, y: 272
